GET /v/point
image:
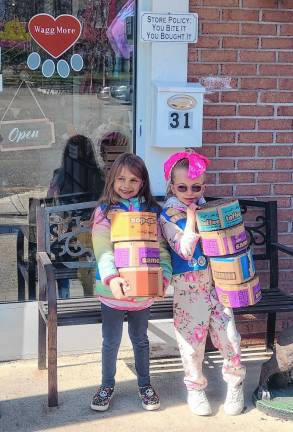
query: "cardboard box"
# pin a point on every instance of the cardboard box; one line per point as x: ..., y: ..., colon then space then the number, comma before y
x: 128, y: 226
x: 136, y: 254
x: 218, y: 214
x: 234, y: 269
x: 143, y: 281
x: 224, y: 242
x: 242, y: 295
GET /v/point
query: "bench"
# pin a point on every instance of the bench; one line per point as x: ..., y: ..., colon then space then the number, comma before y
x: 60, y: 253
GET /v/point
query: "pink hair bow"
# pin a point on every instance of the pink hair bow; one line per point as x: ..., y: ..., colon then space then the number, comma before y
x: 197, y: 164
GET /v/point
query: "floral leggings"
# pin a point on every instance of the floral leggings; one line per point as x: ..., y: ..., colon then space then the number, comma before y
x: 197, y: 310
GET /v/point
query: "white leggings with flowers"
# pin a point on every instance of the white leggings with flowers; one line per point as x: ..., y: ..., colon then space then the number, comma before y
x: 198, y: 311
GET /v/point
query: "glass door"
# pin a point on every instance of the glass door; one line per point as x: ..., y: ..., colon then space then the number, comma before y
x: 66, y: 70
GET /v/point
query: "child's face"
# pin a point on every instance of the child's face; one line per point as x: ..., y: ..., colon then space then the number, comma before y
x: 187, y: 190
x: 126, y: 184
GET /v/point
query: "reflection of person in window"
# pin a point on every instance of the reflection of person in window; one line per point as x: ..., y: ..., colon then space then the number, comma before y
x: 111, y: 145
x: 78, y: 174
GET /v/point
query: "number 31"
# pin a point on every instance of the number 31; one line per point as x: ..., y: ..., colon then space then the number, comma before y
x: 175, y: 123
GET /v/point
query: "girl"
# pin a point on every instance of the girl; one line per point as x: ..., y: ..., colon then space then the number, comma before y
x: 127, y: 189
x: 196, y: 306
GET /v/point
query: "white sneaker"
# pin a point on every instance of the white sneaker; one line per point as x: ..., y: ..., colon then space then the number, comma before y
x: 198, y: 402
x: 234, y: 403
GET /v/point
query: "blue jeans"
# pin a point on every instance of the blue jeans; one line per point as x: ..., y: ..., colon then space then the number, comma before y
x: 63, y: 288
x: 112, y: 326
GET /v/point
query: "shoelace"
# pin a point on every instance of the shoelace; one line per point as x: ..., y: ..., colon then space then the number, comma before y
x: 202, y: 395
x: 235, y: 394
x: 104, y: 392
x: 149, y: 392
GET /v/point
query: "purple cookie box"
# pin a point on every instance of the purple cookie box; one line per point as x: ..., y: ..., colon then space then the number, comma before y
x: 122, y: 257
x: 211, y: 247
x: 241, y: 298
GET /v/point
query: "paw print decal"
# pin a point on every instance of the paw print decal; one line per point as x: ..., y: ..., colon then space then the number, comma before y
x: 55, y: 36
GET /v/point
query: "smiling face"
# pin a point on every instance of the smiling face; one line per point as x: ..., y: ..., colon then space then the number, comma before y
x: 126, y: 184
x: 187, y: 190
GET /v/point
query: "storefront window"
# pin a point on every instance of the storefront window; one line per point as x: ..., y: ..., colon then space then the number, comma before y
x: 66, y: 70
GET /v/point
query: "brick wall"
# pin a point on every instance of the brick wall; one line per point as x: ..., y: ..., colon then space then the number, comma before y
x: 244, y: 56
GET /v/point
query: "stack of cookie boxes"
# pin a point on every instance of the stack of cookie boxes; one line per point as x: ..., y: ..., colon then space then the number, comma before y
x: 225, y: 242
x: 137, y: 252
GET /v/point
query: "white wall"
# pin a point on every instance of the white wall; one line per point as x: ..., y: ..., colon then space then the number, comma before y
x: 157, y: 62
x: 19, y: 335
x: 18, y: 330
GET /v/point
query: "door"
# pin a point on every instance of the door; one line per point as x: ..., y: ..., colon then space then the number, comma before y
x: 66, y: 69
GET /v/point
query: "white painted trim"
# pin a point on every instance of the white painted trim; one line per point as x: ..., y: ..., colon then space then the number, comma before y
x: 156, y: 62
x: 19, y: 334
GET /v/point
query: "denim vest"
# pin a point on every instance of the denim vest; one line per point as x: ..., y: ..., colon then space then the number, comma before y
x: 180, y: 265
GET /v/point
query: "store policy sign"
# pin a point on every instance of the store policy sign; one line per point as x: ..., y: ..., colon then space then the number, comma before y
x: 169, y: 27
x: 26, y: 134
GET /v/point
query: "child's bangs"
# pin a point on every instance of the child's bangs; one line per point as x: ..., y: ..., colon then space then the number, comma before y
x: 134, y: 167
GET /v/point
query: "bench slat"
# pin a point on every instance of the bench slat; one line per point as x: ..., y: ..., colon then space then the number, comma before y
x: 88, y: 310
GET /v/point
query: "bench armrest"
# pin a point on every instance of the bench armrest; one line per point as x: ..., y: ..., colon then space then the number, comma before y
x: 283, y: 248
x: 46, y: 278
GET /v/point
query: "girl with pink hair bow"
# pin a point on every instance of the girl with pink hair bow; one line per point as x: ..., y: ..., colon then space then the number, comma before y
x: 197, y: 309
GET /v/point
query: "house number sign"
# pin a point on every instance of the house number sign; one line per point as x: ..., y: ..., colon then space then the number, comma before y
x: 180, y: 120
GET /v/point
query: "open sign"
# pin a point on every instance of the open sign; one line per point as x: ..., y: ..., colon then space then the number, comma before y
x: 26, y: 134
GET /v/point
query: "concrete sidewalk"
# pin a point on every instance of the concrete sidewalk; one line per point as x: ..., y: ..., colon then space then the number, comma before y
x: 23, y: 404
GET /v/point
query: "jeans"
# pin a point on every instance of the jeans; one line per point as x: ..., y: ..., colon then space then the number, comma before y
x: 112, y: 326
x: 63, y: 288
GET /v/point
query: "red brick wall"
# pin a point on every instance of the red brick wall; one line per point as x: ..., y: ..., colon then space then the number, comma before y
x: 244, y: 56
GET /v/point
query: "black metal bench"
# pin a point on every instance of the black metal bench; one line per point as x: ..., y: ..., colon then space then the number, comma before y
x: 58, y: 238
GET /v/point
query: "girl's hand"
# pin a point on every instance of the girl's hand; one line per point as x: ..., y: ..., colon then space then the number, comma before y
x: 191, y: 209
x: 190, y: 216
x: 119, y: 287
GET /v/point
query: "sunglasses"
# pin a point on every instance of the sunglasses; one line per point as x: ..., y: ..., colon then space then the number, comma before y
x: 194, y: 188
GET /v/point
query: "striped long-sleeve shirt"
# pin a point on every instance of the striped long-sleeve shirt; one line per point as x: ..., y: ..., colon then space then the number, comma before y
x: 104, y: 253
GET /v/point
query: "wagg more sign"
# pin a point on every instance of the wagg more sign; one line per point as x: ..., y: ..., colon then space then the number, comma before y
x: 55, y: 35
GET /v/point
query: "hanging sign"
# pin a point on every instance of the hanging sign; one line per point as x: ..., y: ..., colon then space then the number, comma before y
x: 55, y: 35
x: 169, y: 27
x: 26, y: 134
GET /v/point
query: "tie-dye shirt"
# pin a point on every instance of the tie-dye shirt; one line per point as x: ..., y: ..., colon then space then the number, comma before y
x: 106, y: 269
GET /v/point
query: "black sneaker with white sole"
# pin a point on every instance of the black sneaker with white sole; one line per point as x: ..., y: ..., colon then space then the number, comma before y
x: 149, y: 398
x: 101, y: 399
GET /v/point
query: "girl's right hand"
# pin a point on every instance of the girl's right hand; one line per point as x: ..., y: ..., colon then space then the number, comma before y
x: 119, y: 287
x: 191, y: 209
